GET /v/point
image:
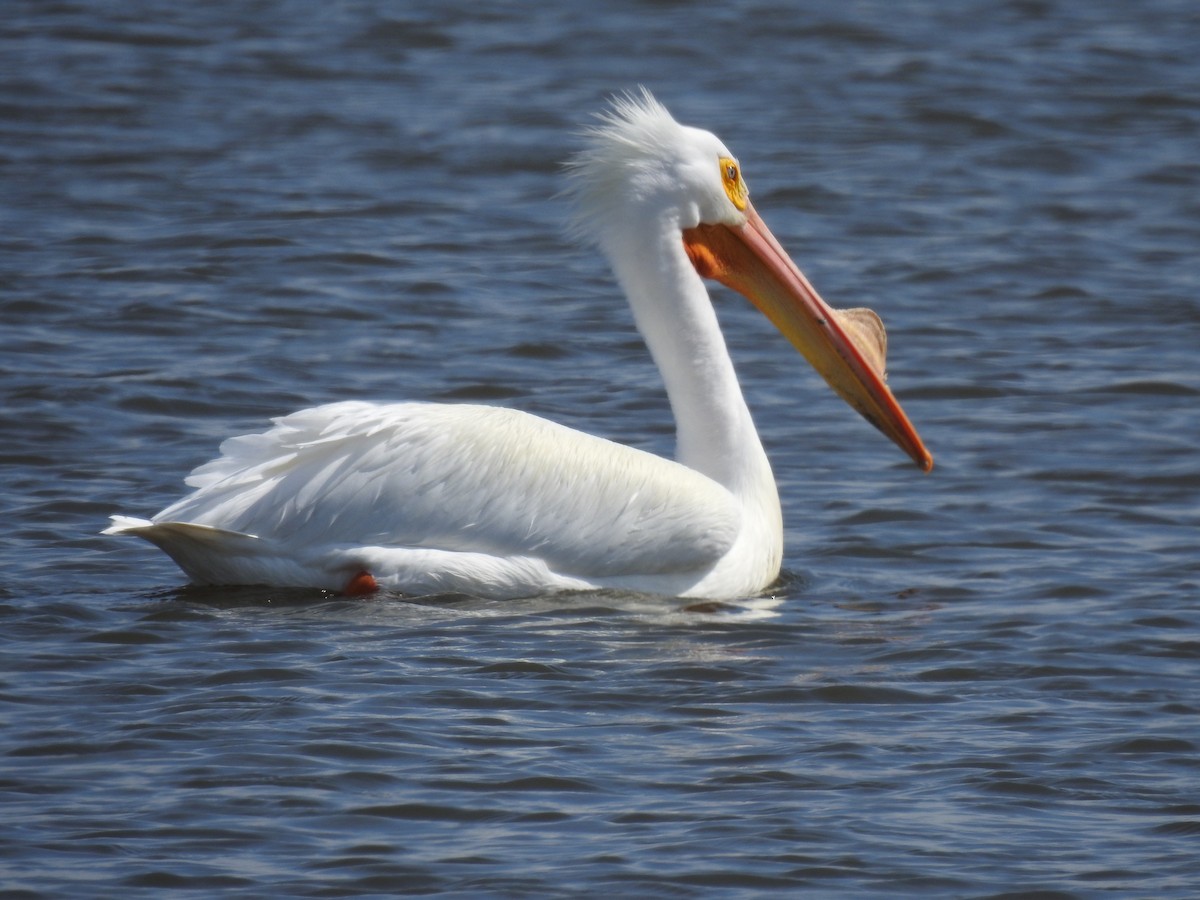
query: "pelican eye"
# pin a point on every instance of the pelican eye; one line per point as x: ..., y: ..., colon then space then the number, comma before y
x: 735, y: 186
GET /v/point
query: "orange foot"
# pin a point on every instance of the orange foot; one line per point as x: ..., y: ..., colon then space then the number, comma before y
x: 361, y: 585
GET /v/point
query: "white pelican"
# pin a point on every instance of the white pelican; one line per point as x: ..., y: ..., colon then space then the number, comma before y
x: 424, y: 498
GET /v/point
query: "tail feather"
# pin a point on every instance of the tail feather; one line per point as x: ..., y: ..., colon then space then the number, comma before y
x: 207, y: 555
x: 127, y: 525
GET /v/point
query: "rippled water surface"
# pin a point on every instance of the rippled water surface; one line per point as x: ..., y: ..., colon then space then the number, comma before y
x: 978, y: 683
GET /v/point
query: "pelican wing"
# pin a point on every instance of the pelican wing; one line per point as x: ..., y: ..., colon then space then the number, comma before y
x: 475, y: 479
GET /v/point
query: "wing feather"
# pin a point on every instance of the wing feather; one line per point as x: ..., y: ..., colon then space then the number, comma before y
x: 476, y: 479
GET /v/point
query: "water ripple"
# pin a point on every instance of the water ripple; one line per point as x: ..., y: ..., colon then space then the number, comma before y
x: 979, y: 683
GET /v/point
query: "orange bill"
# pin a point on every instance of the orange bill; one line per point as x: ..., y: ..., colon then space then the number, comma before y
x: 845, y: 347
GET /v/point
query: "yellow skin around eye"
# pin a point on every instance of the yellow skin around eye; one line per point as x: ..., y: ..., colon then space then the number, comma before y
x: 735, y: 187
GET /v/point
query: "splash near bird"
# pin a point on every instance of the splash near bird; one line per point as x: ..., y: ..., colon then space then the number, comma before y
x: 424, y: 498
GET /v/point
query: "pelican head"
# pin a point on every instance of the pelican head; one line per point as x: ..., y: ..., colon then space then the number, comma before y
x: 641, y: 164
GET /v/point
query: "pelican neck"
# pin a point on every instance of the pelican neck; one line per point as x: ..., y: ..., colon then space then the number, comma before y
x: 715, y: 433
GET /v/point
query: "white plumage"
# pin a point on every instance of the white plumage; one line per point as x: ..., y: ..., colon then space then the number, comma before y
x: 424, y: 498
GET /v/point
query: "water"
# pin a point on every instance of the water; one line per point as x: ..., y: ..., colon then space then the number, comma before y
x: 978, y: 683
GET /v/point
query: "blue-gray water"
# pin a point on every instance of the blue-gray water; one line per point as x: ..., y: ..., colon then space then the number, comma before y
x: 977, y: 683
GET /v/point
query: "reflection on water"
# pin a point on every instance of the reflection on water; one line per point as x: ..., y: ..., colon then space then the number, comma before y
x: 971, y: 683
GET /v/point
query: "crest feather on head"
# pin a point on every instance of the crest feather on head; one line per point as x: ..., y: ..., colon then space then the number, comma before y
x: 629, y: 146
